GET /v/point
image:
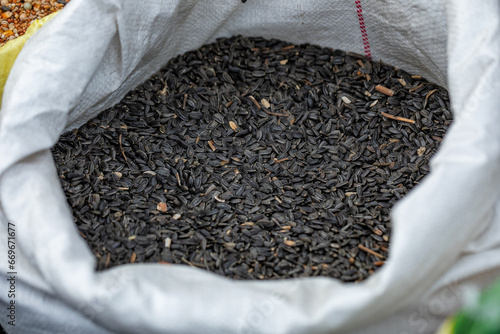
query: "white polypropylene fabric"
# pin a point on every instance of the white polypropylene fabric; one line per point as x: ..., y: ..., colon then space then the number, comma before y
x: 85, y: 60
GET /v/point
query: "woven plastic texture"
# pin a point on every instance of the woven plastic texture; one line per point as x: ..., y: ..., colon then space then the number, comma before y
x: 89, y: 56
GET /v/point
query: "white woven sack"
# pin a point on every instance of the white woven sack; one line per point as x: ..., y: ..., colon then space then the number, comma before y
x: 446, y: 231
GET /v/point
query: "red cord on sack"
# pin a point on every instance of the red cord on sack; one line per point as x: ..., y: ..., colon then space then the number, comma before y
x: 364, y: 35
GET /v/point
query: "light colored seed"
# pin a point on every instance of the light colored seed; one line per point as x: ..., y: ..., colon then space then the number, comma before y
x: 233, y: 125
x: 168, y: 242
x: 265, y: 103
x: 176, y: 216
x: 284, y: 61
x: 162, y: 207
x: 132, y: 237
x: 118, y: 174
x: 150, y: 172
x: 229, y: 245
x: 290, y: 243
x: 211, y: 144
x: 346, y: 100
x: 421, y: 151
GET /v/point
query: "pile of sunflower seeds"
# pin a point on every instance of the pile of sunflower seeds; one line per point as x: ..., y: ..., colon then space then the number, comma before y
x: 254, y: 159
